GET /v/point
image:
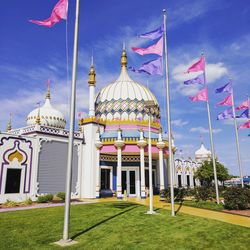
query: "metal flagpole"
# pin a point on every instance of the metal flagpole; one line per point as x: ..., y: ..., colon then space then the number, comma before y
x: 212, y: 145
x: 237, y: 141
x: 71, y: 130
x: 149, y: 105
x: 151, y: 210
x: 170, y: 157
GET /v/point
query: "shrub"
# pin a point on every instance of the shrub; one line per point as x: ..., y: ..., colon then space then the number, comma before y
x: 204, y: 193
x: 61, y: 195
x: 237, y: 198
x: 45, y: 198
x: 179, y: 194
x: 10, y: 203
x: 190, y: 192
x: 27, y: 202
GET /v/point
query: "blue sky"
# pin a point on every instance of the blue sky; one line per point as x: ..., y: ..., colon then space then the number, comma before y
x: 31, y: 54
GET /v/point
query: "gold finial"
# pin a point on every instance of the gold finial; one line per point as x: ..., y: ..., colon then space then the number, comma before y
x: 92, y: 80
x: 9, y: 124
x: 80, y: 122
x: 38, y: 119
x: 48, y: 90
x: 124, y: 57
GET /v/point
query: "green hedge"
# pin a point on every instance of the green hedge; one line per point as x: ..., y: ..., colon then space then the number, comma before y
x: 45, y: 198
x: 237, y: 198
x: 61, y: 195
x: 179, y: 194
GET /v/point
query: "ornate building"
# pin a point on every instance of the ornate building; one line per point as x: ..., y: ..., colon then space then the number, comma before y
x: 110, y: 154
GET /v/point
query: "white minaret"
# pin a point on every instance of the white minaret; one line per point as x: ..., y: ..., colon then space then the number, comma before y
x: 92, y: 82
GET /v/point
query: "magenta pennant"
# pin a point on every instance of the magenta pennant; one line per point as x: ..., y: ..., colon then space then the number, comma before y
x: 198, y: 66
x: 226, y: 101
x: 202, y: 95
x: 156, y: 48
x: 245, y: 125
x: 244, y: 105
x: 58, y: 13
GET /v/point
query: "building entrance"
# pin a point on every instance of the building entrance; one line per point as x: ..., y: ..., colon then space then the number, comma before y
x: 13, y: 180
x: 129, y: 182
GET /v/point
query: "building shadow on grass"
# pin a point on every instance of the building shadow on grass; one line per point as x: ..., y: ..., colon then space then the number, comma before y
x: 120, y: 206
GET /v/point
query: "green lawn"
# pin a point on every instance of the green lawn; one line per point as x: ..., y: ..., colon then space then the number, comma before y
x: 203, y: 204
x: 117, y: 225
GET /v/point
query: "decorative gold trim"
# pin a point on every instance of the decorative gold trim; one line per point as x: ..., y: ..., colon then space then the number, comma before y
x: 92, y: 75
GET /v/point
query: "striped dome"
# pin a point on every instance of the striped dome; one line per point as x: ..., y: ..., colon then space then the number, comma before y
x: 125, y: 99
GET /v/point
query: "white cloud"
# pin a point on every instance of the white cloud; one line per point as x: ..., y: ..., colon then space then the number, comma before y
x: 203, y: 130
x: 179, y: 122
x: 213, y: 72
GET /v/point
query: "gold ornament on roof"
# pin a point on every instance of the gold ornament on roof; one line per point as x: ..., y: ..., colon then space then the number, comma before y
x: 124, y: 57
x: 92, y: 74
x: 9, y: 124
x: 38, y: 119
x: 48, y: 90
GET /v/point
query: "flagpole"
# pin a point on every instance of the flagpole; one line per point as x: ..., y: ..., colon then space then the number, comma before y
x: 237, y: 141
x: 170, y: 157
x: 71, y: 130
x: 212, y: 145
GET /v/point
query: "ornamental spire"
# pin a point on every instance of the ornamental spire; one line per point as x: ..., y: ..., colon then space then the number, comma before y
x: 124, y: 57
x: 9, y: 124
x: 48, y: 90
x: 92, y: 74
x: 38, y: 119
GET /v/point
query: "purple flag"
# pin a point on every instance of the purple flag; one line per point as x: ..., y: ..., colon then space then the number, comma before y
x: 226, y: 88
x: 152, y: 35
x: 153, y: 67
x: 244, y: 114
x: 200, y: 79
x: 227, y: 114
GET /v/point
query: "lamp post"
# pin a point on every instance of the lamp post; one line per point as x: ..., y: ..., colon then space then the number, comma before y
x: 149, y: 105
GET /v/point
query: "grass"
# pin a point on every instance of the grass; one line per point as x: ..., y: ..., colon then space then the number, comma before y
x: 117, y: 225
x: 211, y: 205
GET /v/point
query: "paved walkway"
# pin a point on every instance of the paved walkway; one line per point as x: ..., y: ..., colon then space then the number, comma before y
x: 220, y: 216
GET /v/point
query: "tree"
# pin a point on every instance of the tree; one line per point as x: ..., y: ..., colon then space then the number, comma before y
x: 205, y: 173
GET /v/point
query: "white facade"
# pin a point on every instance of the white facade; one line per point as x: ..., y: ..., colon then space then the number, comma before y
x: 110, y: 155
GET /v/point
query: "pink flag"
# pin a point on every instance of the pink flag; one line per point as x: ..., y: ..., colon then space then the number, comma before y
x: 201, y: 96
x: 198, y: 66
x: 244, y: 105
x: 153, y: 49
x: 226, y: 101
x: 245, y: 125
x: 58, y: 13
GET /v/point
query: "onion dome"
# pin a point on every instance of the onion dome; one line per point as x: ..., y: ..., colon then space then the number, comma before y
x: 202, y: 154
x: 46, y: 115
x: 125, y: 99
